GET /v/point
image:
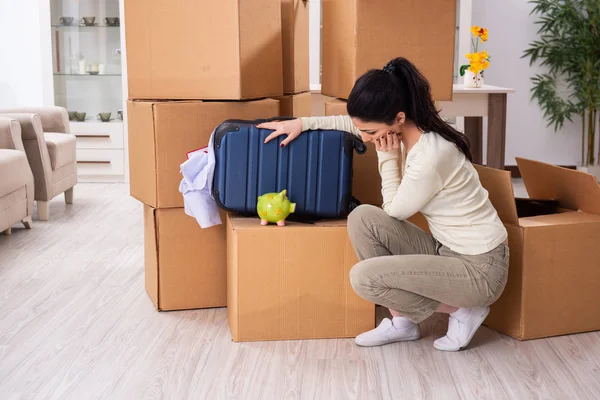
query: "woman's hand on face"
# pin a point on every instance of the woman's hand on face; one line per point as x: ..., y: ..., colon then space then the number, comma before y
x: 388, y: 142
x: 291, y: 128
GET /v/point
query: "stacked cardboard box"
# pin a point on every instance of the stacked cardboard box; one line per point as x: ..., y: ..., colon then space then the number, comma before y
x: 190, y: 67
x: 292, y: 282
x: 224, y: 50
x: 296, y: 101
x: 358, y: 36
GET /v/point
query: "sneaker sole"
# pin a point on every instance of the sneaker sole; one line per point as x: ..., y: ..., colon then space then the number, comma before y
x: 384, y: 342
x: 464, y: 346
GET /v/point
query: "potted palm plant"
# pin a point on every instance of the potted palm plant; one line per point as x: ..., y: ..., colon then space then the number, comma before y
x: 569, y: 47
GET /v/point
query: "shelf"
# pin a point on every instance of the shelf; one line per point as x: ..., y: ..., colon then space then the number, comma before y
x: 85, y: 26
x: 64, y: 74
x: 92, y: 120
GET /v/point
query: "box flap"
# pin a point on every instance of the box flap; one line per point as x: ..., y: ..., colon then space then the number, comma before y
x: 499, y: 186
x: 142, y: 152
x: 573, y: 189
x: 565, y: 218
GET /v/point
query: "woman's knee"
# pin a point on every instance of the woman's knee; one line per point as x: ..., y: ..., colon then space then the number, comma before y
x: 361, y: 279
x: 360, y: 220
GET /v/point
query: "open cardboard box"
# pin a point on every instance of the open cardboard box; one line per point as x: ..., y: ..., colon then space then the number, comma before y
x: 554, y: 274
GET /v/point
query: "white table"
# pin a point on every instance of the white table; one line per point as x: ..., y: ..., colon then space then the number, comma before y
x: 474, y: 104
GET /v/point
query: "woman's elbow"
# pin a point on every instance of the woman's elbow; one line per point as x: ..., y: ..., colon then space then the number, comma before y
x: 397, y: 213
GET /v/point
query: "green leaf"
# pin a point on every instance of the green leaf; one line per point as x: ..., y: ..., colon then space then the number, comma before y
x: 463, y: 68
x: 568, y: 49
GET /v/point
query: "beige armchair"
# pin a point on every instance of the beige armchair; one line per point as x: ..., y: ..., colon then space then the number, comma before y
x: 50, y: 150
x: 16, y: 185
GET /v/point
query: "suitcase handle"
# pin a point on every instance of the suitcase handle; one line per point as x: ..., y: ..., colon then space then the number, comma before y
x: 258, y: 121
x: 232, y: 124
x: 261, y: 121
x: 359, y: 146
x: 225, y: 127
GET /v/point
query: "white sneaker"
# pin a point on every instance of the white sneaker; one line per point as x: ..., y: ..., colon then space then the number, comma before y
x: 386, y: 333
x: 462, y: 326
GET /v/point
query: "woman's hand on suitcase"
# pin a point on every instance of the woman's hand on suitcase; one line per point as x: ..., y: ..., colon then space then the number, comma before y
x: 389, y: 142
x: 291, y: 128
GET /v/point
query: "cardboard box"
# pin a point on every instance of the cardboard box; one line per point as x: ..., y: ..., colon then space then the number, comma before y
x: 203, y: 49
x: 292, y: 282
x: 294, y: 31
x: 358, y: 35
x: 161, y: 133
x: 336, y: 107
x: 366, y: 181
x: 419, y: 220
x: 295, y: 105
x: 185, y: 265
x: 554, y: 272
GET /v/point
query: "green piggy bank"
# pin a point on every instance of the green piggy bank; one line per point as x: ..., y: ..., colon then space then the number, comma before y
x: 274, y: 207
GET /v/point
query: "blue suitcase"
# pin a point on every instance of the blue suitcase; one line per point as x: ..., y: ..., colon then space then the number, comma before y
x: 315, y: 169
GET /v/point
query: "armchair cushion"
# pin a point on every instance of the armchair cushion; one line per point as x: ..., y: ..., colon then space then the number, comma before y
x: 52, y: 118
x: 61, y: 149
x: 10, y: 134
x: 14, y: 169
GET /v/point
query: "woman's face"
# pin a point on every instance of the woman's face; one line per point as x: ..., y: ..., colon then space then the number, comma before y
x: 371, y: 131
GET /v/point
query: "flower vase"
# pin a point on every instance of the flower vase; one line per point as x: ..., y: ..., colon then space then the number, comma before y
x: 473, y: 80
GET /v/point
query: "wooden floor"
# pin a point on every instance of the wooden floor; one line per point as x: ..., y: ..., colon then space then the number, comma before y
x: 75, y: 323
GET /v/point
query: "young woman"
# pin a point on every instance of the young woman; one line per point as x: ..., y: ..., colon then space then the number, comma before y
x: 462, y: 267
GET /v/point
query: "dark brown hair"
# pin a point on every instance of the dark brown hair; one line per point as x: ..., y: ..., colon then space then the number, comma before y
x: 380, y: 94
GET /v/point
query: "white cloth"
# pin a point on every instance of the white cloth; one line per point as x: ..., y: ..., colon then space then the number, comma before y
x: 196, y: 187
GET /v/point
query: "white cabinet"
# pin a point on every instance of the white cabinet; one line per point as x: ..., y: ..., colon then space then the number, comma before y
x: 100, y: 164
x: 100, y: 151
x: 87, y: 69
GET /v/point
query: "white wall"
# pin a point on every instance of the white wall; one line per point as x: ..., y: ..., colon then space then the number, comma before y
x: 25, y: 78
x: 315, y: 44
x: 511, y: 29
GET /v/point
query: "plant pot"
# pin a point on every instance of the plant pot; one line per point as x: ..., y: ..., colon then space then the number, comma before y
x: 590, y: 169
x: 473, y: 80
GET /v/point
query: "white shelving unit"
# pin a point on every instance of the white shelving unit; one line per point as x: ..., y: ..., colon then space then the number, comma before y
x: 87, y: 72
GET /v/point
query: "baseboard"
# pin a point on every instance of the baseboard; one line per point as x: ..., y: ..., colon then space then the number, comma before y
x: 515, y: 173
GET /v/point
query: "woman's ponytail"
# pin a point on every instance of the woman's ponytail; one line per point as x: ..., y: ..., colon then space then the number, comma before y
x: 380, y: 94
